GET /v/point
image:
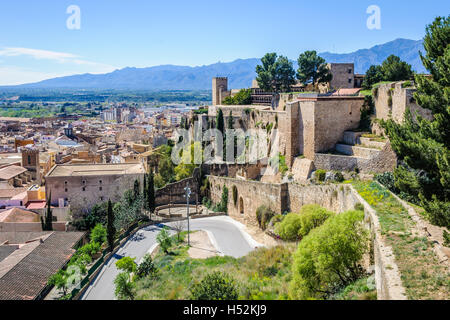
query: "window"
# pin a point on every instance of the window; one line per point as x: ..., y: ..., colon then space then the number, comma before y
x: 29, y: 159
x: 100, y: 181
x: 101, y: 198
x: 65, y: 182
x: 349, y: 71
x: 100, y: 188
x: 84, y: 188
x: 84, y: 182
x: 349, y: 80
x: 66, y: 190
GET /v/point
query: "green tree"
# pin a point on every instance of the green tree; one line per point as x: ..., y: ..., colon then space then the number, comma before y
x: 230, y: 121
x: 126, y: 264
x: 136, y: 189
x: 187, y: 166
x: 312, y: 68
x: 166, y: 173
x: 289, y: 228
x: 111, y: 229
x: 98, y: 234
x: 146, y: 268
x: 275, y: 74
x: 220, y: 124
x: 151, y: 192
x: 243, y: 97
x: 215, y: 286
x: 311, y: 217
x: 394, y: 69
x: 329, y: 257
x: 285, y: 75
x: 47, y: 224
x: 373, y: 75
x: 164, y: 240
x: 267, y: 73
x: 423, y: 145
x: 124, y: 287
x: 60, y: 280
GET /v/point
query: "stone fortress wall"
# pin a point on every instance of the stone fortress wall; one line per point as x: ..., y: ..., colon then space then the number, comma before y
x: 290, y: 197
x: 393, y: 99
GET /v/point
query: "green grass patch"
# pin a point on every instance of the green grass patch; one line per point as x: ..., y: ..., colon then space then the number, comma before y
x: 422, y: 275
x: 263, y: 274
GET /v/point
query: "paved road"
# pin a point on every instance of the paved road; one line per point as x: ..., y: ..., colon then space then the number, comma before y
x: 228, y: 237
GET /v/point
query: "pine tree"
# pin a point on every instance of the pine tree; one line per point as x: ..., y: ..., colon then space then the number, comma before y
x: 111, y: 229
x: 312, y: 68
x: 423, y: 146
x: 151, y: 192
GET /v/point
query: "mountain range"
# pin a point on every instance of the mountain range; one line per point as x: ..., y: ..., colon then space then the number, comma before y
x: 240, y: 72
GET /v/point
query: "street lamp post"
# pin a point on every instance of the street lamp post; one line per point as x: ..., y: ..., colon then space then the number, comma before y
x: 187, y: 195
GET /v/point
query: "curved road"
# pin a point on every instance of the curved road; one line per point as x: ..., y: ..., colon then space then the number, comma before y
x: 228, y: 236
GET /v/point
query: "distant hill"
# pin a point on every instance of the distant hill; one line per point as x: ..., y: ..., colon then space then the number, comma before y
x: 240, y: 72
x: 407, y: 50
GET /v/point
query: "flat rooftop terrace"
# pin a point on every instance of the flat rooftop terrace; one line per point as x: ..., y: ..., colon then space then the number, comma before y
x: 73, y: 170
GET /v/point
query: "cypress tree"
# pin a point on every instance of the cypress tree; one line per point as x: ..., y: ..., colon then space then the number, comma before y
x: 111, y: 230
x: 219, y: 121
x: 151, y: 192
x: 47, y: 225
x: 423, y: 146
x: 136, y: 189
x: 145, y: 191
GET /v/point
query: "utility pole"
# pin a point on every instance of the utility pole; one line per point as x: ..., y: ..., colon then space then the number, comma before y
x: 187, y: 195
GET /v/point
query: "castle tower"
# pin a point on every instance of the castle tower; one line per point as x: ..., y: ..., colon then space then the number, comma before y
x: 219, y: 90
x: 30, y: 161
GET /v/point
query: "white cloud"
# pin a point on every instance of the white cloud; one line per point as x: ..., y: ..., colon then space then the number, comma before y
x: 60, y: 57
x: 13, y: 75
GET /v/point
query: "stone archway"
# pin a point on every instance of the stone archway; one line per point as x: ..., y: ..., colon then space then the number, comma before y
x: 241, y: 206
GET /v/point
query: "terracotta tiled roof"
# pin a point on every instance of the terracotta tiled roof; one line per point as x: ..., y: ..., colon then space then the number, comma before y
x: 29, y: 277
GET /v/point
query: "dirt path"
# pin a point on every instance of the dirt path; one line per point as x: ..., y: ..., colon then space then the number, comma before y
x: 201, y: 246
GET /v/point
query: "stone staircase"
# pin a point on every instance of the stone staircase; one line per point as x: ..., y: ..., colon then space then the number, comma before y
x: 354, y: 144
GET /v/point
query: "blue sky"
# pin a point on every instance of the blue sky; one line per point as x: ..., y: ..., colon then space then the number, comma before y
x: 35, y: 43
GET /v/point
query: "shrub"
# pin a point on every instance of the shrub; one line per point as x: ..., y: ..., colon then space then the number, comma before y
x: 146, y: 268
x: 264, y: 215
x: 90, y: 249
x: 215, y: 286
x: 446, y: 236
x: 328, y: 258
x: 338, y: 176
x: 288, y: 228
x: 223, y: 205
x: 359, y: 206
x: 275, y: 220
x: 164, y: 240
x: 235, y: 195
x: 98, y: 234
x: 320, y: 175
x: 312, y: 216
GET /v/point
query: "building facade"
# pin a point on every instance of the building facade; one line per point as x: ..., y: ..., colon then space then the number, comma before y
x: 83, y: 185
